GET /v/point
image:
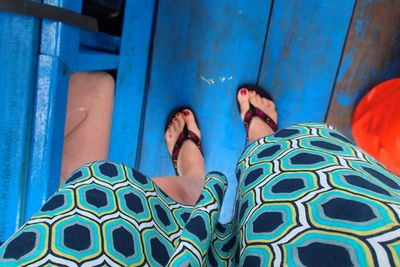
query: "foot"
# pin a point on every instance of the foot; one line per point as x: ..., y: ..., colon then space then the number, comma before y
x: 258, y: 128
x: 190, y: 159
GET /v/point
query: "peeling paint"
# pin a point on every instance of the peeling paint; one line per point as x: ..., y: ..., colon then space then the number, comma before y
x: 220, y: 79
x: 209, y: 81
x: 343, y: 99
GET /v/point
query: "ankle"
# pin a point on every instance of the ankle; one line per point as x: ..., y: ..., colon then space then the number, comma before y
x: 197, y: 174
x: 258, y: 129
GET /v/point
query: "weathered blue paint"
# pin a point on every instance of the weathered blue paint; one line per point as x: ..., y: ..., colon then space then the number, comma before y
x: 59, y: 39
x: 60, y: 54
x: 344, y: 66
x: 302, y: 56
x: 18, y: 46
x: 48, y: 131
x: 203, y: 50
x: 131, y: 81
x: 343, y: 99
x: 58, y: 50
x: 371, y: 56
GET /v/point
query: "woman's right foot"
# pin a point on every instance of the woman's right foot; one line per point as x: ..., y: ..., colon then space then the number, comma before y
x: 257, y: 128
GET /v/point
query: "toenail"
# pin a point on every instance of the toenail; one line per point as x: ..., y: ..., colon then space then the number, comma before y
x: 186, y: 113
x: 243, y: 92
x: 174, y: 119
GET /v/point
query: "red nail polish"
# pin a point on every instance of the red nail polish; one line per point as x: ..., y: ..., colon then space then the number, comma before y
x: 243, y: 92
x: 186, y: 113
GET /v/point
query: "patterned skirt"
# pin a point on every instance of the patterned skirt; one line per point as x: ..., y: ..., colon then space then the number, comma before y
x: 306, y: 196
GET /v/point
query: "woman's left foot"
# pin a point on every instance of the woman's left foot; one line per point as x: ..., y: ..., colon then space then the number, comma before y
x: 257, y: 128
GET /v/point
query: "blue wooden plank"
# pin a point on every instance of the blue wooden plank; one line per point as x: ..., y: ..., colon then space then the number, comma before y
x: 99, y: 41
x: 302, y: 55
x: 203, y: 50
x: 48, y: 131
x: 18, y: 45
x: 59, y: 39
x: 58, y: 49
x: 90, y: 60
x: 131, y: 80
x: 371, y: 56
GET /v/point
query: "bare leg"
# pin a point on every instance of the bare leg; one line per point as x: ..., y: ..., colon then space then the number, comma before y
x: 186, y: 187
x: 90, y: 106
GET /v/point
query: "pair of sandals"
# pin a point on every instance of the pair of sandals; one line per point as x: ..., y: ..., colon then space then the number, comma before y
x: 186, y: 134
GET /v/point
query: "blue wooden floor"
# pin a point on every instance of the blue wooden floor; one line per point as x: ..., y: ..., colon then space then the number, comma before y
x: 203, y: 50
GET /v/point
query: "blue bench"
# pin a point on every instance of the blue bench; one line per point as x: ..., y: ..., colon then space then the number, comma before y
x: 38, y: 57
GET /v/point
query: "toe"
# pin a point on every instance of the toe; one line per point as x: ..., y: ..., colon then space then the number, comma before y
x: 256, y: 100
x: 173, y: 131
x: 252, y: 97
x: 167, y: 135
x: 270, y: 104
x: 243, y: 99
x: 176, y: 125
x: 190, y: 121
x: 265, y: 105
x: 180, y: 120
x: 170, y: 137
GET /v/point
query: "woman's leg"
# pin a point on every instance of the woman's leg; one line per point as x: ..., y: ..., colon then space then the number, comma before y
x: 110, y: 214
x: 307, y: 196
x: 186, y: 187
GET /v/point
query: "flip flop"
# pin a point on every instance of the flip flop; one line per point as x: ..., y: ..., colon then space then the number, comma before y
x: 256, y: 112
x: 186, y: 134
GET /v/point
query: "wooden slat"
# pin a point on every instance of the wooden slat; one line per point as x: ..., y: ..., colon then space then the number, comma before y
x: 371, y: 56
x: 302, y: 55
x: 19, y: 37
x: 203, y: 50
x: 131, y: 81
x: 58, y: 49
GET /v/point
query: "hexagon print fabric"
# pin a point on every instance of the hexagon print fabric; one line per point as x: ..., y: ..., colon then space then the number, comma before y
x: 108, y: 214
x: 309, y: 197
x: 306, y: 197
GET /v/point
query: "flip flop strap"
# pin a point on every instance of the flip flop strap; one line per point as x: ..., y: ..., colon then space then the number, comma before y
x: 255, y: 112
x: 185, y: 135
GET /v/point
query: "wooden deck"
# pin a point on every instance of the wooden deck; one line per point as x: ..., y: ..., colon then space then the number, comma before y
x: 302, y: 52
x: 371, y: 55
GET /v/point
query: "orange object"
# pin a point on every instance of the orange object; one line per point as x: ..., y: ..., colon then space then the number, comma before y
x: 376, y: 124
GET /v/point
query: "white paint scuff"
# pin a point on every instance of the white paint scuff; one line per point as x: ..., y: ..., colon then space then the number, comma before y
x: 220, y: 79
